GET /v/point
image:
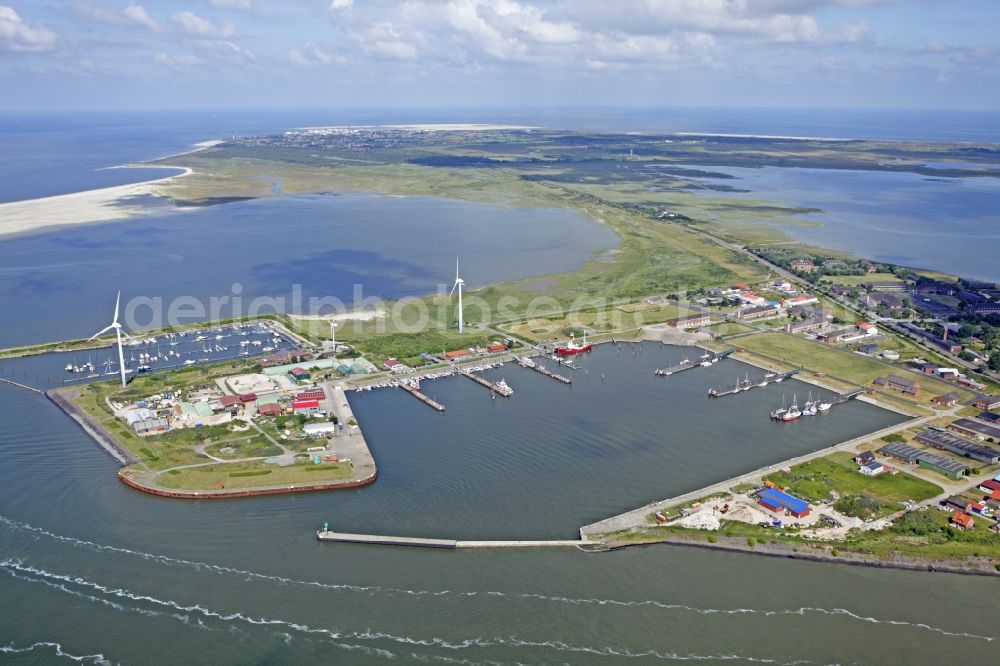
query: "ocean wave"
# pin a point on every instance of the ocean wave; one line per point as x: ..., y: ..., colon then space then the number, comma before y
x: 650, y: 603
x: 60, y: 581
x: 57, y: 650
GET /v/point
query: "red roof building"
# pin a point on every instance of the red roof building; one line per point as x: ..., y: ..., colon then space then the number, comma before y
x: 962, y: 520
x: 270, y: 409
x: 305, y: 406
x: 248, y: 397
x: 989, y: 486
x: 311, y: 394
x: 497, y: 347
x: 229, y: 400
x: 458, y: 353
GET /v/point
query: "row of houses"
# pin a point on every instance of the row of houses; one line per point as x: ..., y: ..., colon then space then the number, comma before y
x: 975, y: 428
x: 690, y: 321
x: 911, y: 454
x: 939, y: 438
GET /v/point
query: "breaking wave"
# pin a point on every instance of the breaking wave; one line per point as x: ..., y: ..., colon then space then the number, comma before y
x: 649, y: 603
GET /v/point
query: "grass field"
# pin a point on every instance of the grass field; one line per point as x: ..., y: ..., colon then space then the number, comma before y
x: 611, y: 320
x: 251, y: 474
x: 817, y: 479
x: 855, y: 280
x: 839, y: 363
x: 729, y: 328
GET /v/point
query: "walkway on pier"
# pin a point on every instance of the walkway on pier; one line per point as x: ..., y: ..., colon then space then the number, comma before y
x: 418, y: 542
x: 19, y: 385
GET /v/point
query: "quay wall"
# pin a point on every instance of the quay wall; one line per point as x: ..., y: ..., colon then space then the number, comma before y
x: 982, y: 566
x: 97, y: 432
x: 125, y: 477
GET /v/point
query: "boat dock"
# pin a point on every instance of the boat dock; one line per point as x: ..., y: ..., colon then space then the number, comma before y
x: 706, y: 360
x: 500, y: 387
x: 448, y: 544
x: 529, y: 363
x: 747, y: 384
x: 415, y: 392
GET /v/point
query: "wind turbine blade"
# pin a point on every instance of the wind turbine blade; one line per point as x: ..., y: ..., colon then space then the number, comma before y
x: 127, y: 336
x: 101, y: 332
x: 117, y: 301
x: 453, y: 288
x: 456, y: 268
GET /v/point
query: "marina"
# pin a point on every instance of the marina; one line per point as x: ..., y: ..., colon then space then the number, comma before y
x: 412, y: 386
x: 498, y: 388
x: 527, y: 362
x: 746, y: 383
x: 810, y: 407
x: 705, y: 360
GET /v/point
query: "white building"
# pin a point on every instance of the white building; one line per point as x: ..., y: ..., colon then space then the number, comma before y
x: 319, y: 429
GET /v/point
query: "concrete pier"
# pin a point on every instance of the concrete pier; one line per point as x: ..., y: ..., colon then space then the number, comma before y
x: 450, y: 544
x: 20, y: 385
x: 421, y: 397
x: 484, y: 382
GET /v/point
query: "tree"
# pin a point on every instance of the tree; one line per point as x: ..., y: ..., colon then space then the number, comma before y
x: 994, y: 361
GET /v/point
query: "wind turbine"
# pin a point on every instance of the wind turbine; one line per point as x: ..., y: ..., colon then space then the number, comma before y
x: 118, y: 334
x: 333, y: 334
x: 458, y: 285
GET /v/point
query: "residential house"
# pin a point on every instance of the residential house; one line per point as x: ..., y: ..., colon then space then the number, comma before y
x: 690, y: 321
x: 962, y: 520
x: 802, y: 265
x: 901, y: 384
x: 946, y: 400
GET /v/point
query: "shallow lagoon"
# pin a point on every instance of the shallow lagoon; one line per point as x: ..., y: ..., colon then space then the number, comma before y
x: 62, y: 283
x: 948, y: 223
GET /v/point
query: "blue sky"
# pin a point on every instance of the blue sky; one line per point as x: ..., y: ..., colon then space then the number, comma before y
x: 481, y: 53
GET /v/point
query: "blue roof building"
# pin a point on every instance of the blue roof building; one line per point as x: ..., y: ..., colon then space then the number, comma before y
x: 777, y: 501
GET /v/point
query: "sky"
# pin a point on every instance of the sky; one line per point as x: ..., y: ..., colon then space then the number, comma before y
x: 75, y: 54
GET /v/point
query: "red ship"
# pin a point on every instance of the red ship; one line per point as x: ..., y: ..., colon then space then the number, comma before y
x: 573, y: 348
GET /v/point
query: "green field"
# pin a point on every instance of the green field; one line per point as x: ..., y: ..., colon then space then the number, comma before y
x: 856, y: 280
x: 838, y: 363
x: 729, y: 328
x: 251, y: 474
x: 838, y: 474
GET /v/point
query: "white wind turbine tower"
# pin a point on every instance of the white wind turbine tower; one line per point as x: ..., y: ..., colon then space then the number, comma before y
x: 118, y: 334
x: 458, y: 285
x: 333, y: 334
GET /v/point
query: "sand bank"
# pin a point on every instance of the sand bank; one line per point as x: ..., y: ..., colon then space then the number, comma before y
x: 106, y: 203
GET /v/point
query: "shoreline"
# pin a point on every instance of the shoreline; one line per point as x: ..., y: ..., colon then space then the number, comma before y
x: 86, y: 207
x: 798, y: 552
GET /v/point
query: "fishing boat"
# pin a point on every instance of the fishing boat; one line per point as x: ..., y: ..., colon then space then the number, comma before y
x: 778, y: 413
x: 793, y: 412
x: 572, y: 347
x: 823, y: 406
x: 503, y: 388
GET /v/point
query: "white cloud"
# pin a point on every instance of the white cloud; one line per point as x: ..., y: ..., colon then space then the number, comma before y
x: 336, y: 5
x: 16, y: 35
x: 383, y: 41
x: 139, y: 16
x: 177, y: 60
x: 310, y: 55
x: 239, y: 5
x: 192, y: 25
x: 131, y: 15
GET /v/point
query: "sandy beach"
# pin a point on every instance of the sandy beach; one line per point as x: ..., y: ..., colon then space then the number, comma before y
x: 100, y: 205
